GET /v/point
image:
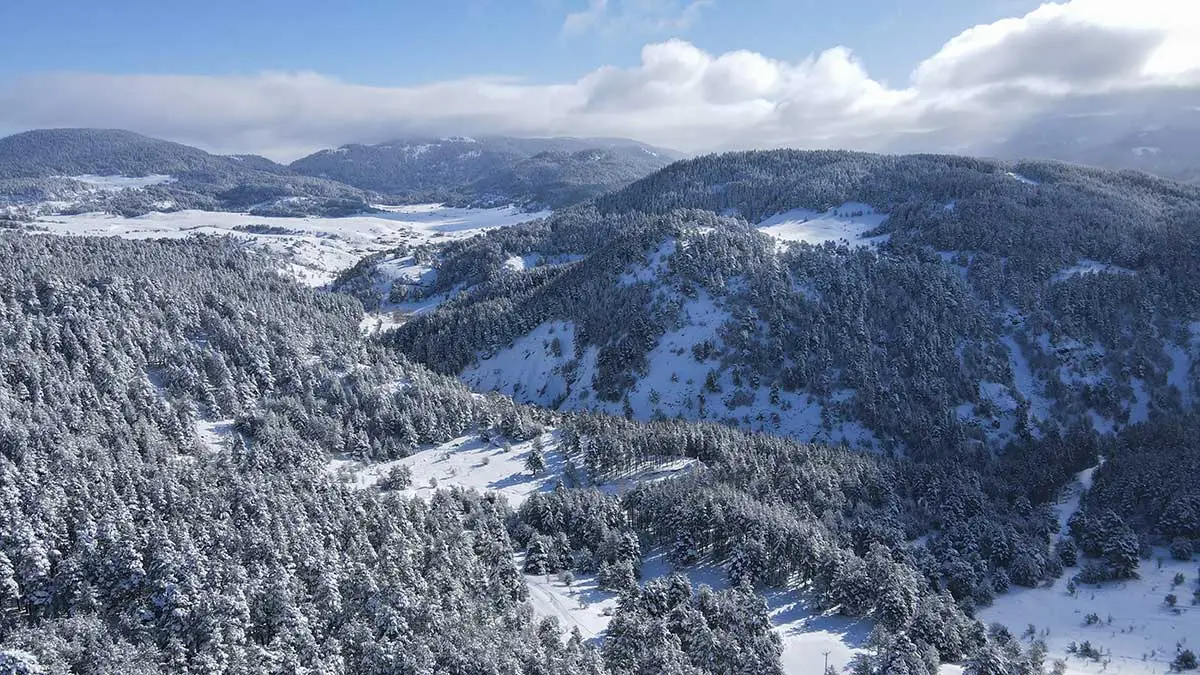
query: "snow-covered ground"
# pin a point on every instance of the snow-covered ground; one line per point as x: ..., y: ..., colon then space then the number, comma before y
x: 1086, y: 266
x: 542, y: 368
x: 1022, y: 179
x: 847, y: 222
x: 465, y: 462
x: 316, y: 249
x: 807, y: 634
x: 214, y: 434
x: 1137, y: 631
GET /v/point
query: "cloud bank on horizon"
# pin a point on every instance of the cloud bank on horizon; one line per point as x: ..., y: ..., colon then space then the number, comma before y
x: 980, y: 84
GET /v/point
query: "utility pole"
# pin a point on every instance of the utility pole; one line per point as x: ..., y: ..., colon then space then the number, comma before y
x: 823, y: 672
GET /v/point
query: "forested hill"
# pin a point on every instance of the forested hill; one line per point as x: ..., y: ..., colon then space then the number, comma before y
x: 922, y: 302
x: 168, y: 414
x: 98, y: 170
x: 550, y: 172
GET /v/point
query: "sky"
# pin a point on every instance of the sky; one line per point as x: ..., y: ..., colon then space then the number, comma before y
x: 285, y: 78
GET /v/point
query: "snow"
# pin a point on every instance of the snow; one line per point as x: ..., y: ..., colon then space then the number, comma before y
x: 518, y: 263
x: 1142, y: 633
x: 1180, y: 374
x: 654, y: 266
x: 1023, y: 179
x: 807, y: 634
x: 466, y: 462
x: 1139, y: 407
x: 1086, y: 266
x: 1143, y: 150
x: 1027, y: 385
x: 837, y: 224
x: 316, y: 248
x: 1137, y: 629
x: 214, y: 434
x: 116, y: 183
x: 530, y: 371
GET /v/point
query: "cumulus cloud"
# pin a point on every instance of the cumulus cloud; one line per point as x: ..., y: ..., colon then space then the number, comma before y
x: 979, y: 85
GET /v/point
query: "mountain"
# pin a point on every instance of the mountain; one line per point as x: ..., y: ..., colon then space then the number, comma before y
x: 539, y: 171
x: 1158, y: 134
x: 96, y: 169
x: 969, y: 304
x: 207, y: 467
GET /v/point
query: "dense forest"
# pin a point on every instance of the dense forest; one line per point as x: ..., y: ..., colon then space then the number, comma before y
x: 125, y: 534
x: 998, y: 302
x: 135, y: 538
x: 547, y: 172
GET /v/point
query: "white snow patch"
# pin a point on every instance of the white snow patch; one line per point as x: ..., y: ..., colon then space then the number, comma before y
x: 215, y: 434
x: 655, y: 265
x: 675, y: 382
x: 1027, y: 385
x: 1142, y: 633
x: 848, y: 222
x: 532, y: 368
x: 1180, y: 374
x: 1139, y: 406
x: 465, y: 462
x: 807, y: 634
x: 1023, y: 179
x: 1086, y: 266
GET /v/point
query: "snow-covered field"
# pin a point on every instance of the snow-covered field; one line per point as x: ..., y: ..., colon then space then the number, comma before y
x: 1137, y: 631
x: 465, y: 462
x: 315, y: 249
x: 848, y: 222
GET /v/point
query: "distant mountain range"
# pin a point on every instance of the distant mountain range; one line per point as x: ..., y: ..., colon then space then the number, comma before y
x: 55, y: 165
x: 550, y: 172
x: 60, y: 166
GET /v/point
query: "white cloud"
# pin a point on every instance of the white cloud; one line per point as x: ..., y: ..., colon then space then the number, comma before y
x: 977, y: 86
x: 633, y: 16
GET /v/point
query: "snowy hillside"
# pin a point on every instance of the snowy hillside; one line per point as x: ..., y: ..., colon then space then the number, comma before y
x: 1130, y: 623
x: 468, y: 462
x: 314, y: 249
x: 808, y: 635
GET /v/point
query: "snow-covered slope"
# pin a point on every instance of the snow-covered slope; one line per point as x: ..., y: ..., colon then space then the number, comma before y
x: 808, y: 635
x: 315, y: 249
x: 848, y: 222
x: 1134, y: 628
x: 467, y: 462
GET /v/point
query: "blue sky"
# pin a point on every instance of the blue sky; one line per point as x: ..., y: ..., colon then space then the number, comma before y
x: 283, y: 78
x: 401, y: 42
